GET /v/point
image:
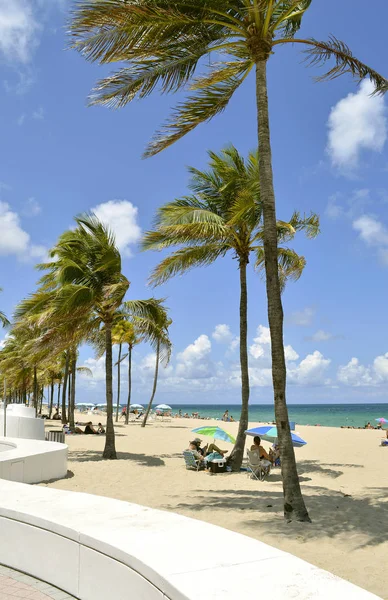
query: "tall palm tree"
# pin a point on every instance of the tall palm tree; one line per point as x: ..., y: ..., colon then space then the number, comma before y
x: 84, y: 280
x: 224, y: 214
x: 125, y: 332
x: 155, y: 331
x: 164, y: 43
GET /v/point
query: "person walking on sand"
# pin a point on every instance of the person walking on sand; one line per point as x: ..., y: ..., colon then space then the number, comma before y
x: 225, y: 416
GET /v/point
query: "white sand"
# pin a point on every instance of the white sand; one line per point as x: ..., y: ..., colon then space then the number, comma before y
x: 343, y: 475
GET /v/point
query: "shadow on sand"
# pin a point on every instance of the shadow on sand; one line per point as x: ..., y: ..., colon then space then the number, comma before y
x: 96, y: 456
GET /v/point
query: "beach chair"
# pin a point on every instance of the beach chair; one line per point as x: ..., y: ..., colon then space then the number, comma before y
x: 191, y: 461
x: 256, y: 467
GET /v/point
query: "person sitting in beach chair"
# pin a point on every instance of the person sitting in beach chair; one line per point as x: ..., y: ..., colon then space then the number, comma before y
x: 259, y: 468
x: 274, y: 455
x: 208, y: 449
x: 193, y: 458
x: 257, y: 447
x: 89, y: 429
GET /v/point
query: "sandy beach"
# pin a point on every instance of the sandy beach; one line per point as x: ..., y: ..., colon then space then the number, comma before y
x: 343, y: 473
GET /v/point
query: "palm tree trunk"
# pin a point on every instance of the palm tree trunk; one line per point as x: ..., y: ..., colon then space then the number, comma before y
x: 59, y: 395
x: 110, y: 448
x: 69, y: 389
x: 72, y: 390
x: 294, y: 506
x: 118, y: 383
x: 51, y: 398
x: 35, y: 391
x: 129, y: 382
x: 154, y: 387
x: 238, y: 450
x: 64, y: 387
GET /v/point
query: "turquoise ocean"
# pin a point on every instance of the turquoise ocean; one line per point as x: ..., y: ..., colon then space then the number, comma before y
x: 330, y: 415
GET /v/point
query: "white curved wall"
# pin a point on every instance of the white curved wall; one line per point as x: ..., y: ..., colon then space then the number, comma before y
x: 32, y: 461
x: 97, y: 548
x: 21, y: 423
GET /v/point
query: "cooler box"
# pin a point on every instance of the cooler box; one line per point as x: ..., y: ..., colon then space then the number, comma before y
x: 218, y: 466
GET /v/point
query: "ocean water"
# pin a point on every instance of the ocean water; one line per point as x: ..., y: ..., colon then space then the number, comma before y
x: 329, y: 415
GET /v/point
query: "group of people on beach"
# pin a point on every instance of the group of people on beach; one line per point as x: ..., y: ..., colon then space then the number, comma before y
x: 211, y: 452
x: 89, y: 429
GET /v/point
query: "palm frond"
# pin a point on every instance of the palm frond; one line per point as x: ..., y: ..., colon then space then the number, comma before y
x: 3, y: 320
x: 290, y: 264
x: 310, y: 225
x: 142, y: 77
x: 287, y: 16
x: 197, y: 109
x: 319, y: 53
x: 185, y: 259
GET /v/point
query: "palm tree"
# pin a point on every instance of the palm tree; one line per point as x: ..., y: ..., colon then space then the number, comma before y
x: 124, y: 332
x: 84, y: 281
x: 164, y: 43
x: 224, y: 214
x: 155, y: 331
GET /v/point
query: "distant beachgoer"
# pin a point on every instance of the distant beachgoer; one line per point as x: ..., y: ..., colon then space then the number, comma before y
x: 89, y: 429
x: 368, y: 426
x: 225, y: 416
x: 56, y: 415
x: 231, y: 419
x: 100, y: 428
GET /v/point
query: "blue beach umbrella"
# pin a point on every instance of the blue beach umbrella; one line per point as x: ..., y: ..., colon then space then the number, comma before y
x: 270, y: 433
x: 381, y: 420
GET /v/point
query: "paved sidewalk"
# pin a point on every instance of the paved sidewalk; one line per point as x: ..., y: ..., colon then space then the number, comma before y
x: 14, y: 584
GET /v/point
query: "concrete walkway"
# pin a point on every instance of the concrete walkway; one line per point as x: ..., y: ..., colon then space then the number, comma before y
x: 14, y: 584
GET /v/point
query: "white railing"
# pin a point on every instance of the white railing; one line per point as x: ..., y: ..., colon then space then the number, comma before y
x: 31, y: 461
x: 103, y: 549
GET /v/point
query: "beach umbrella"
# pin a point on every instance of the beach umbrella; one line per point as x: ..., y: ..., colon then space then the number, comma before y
x: 163, y: 407
x: 136, y: 407
x: 101, y: 405
x: 84, y: 404
x: 216, y: 433
x: 270, y: 433
x: 381, y: 420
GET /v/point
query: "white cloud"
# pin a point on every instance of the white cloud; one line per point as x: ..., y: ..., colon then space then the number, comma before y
x: 322, y: 336
x: 290, y: 354
x: 121, y: 218
x: 302, y: 318
x: 311, y: 370
x: 234, y: 344
x: 350, y: 207
x: 371, y: 231
x: 21, y: 120
x: 194, y: 362
x: 14, y: 240
x: 356, y: 123
x: 97, y: 367
x: 258, y: 348
x: 222, y: 334
x: 21, y: 26
x: 380, y: 365
x: 38, y: 114
x: 354, y: 374
x: 19, y: 30
x: 374, y: 234
x: 31, y: 208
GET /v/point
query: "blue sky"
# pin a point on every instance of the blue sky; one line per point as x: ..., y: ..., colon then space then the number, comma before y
x: 60, y: 158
